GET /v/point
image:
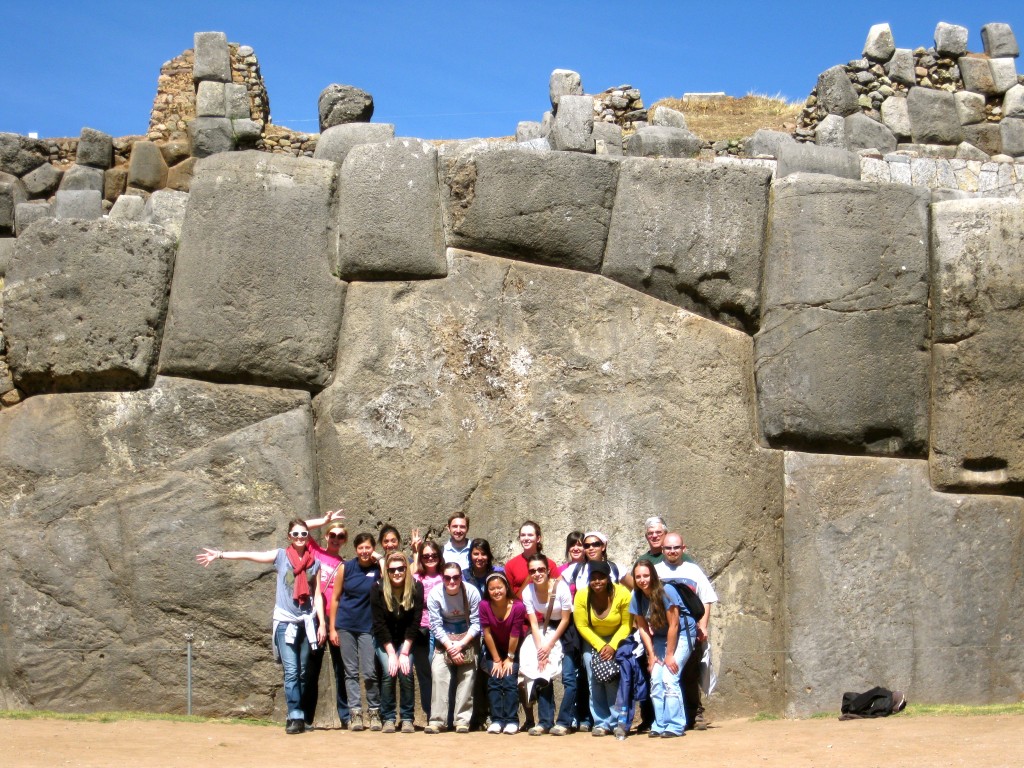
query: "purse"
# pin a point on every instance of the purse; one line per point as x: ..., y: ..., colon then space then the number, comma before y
x: 603, y: 670
x: 469, y: 651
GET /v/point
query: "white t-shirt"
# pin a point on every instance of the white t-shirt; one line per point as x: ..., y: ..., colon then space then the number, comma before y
x: 692, y: 575
x: 563, y: 600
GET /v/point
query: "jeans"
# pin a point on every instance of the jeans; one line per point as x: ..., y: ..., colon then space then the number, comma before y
x: 312, y: 694
x: 503, y: 693
x: 295, y: 660
x: 360, y: 659
x: 442, y: 675
x: 666, y: 693
x: 406, y: 692
x: 546, y: 697
x: 602, y: 697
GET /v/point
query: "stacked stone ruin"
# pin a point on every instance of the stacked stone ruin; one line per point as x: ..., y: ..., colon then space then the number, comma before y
x: 815, y: 376
x: 957, y: 111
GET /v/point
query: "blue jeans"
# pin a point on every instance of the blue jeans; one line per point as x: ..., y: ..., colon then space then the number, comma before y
x: 406, y: 691
x: 312, y: 695
x: 503, y: 694
x: 295, y: 660
x: 602, y: 697
x: 666, y: 693
x: 546, y: 697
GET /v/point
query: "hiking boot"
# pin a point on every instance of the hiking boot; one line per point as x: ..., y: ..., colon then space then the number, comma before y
x: 699, y: 722
x: 309, y: 726
x: 462, y: 728
x: 653, y: 735
x: 389, y: 727
x: 670, y: 735
x: 355, y: 723
x: 537, y: 730
x: 408, y: 727
x: 583, y: 728
x: 374, y: 719
x: 620, y: 732
x: 559, y: 730
x: 295, y: 726
x: 434, y: 728
x: 599, y: 731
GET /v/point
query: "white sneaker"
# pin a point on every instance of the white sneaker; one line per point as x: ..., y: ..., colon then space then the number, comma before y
x: 511, y: 729
x: 494, y: 728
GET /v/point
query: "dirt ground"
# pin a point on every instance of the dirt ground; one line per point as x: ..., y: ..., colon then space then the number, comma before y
x: 980, y: 742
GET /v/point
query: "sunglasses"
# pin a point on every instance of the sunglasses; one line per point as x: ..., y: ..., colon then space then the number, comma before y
x: 453, y: 578
x: 428, y: 556
x: 591, y: 544
x: 399, y: 569
x: 538, y: 570
x: 671, y: 549
x: 299, y: 534
x: 341, y: 536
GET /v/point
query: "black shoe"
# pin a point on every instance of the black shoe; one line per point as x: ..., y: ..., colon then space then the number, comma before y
x: 295, y: 726
x: 667, y: 735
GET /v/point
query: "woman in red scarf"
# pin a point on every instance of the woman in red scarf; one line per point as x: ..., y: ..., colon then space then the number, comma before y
x: 297, y: 605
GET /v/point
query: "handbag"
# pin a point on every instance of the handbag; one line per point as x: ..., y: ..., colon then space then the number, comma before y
x: 603, y: 670
x: 469, y: 651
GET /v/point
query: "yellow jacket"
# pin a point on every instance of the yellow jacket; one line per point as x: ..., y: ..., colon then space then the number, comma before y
x: 617, y: 624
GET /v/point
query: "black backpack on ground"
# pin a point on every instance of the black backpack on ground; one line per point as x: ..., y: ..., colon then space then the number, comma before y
x: 878, y: 702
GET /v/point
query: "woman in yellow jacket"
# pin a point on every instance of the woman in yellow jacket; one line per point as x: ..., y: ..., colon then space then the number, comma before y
x: 601, y: 614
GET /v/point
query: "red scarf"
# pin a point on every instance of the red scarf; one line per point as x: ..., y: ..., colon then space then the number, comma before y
x: 299, y: 564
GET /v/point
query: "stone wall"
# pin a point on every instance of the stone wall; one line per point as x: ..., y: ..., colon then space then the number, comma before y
x: 175, y: 102
x: 816, y: 377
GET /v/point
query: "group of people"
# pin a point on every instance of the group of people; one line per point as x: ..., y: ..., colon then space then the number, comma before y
x: 483, y: 641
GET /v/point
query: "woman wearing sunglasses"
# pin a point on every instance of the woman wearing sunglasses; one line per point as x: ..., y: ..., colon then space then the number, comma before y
x: 595, y: 550
x: 454, y: 614
x: 297, y: 605
x: 397, y: 609
x: 427, y: 571
x: 329, y: 558
x: 548, y: 606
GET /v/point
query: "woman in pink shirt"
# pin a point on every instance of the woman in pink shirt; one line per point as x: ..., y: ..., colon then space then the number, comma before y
x: 502, y: 620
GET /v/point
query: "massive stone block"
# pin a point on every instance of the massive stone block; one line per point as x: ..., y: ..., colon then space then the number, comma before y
x: 808, y: 158
x: 835, y: 92
x: 147, y: 169
x: 933, y: 117
x: 390, y: 212
x: 662, y: 141
x: 106, y: 499
x: 12, y: 194
x: 95, y: 148
x: 573, y: 128
x: 212, y: 59
x: 19, y: 155
x: 864, y: 133
x: 508, y: 391
x: 890, y: 583
x: 691, y: 234
x: 337, y: 141
x: 253, y: 299
x: 81, y: 177
x: 549, y: 207
x: 842, y: 354
x: 978, y: 345
x: 339, y: 104
x: 84, y: 304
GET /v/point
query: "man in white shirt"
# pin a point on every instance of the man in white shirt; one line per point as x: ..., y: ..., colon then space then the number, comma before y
x: 456, y: 550
x: 674, y: 570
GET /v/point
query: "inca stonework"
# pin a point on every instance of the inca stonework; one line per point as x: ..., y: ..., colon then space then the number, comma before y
x: 807, y: 359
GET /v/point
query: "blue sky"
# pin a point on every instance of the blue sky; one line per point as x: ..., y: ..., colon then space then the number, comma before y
x: 448, y: 69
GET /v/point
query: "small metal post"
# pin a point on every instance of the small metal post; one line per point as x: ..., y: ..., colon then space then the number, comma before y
x: 188, y: 648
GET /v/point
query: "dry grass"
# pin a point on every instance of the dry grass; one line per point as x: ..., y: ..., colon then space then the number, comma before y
x: 729, y: 117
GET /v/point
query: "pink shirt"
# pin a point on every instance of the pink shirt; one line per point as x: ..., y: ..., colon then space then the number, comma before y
x: 428, y: 582
x: 328, y: 571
